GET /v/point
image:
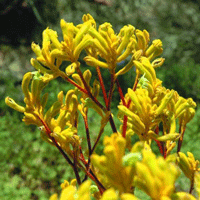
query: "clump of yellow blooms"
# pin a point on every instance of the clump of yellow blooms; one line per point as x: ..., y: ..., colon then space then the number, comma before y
x: 148, y: 110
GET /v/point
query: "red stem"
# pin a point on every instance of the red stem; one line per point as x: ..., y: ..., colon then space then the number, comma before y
x: 125, y: 120
x: 48, y: 132
x: 88, y: 137
x: 90, y: 173
x: 124, y: 126
x: 120, y: 92
x: 160, y: 146
x: 75, y: 168
x: 111, y: 90
x: 76, y: 85
x: 97, y: 140
x: 88, y: 90
x: 180, y: 141
x: 102, y: 86
x: 124, y: 103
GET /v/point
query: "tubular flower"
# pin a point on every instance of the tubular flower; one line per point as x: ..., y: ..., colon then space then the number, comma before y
x: 142, y: 118
x: 152, y: 104
x: 156, y: 176
x: 105, y: 43
x: 111, y: 165
x: 142, y: 44
x: 58, y: 121
x: 182, y: 196
x: 34, y: 104
x: 54, y: 52
x: 111, y: 47
x: 197, y: 183
x: 188, y: 165
x: 87, y: 77
x: 70, y: 192
x: 111, y: 194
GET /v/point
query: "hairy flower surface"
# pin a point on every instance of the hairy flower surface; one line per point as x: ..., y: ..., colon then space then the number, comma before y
x: 111, y: 165
x: 156, y: 176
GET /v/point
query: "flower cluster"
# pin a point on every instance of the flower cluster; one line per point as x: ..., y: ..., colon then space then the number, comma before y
x: 148, y: 110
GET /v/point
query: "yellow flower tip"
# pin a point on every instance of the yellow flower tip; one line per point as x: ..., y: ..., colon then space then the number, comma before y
x: 45, y: 38
x: 121, y: 142
x: 11, y: 103
x: 53, y: 36
x: 183, y: 196
x: 142, y: 39
x: 68, y: 193
x: 36, y: 49
x: 88, y: 17
x: 73, y: 182
x: 146, y: 63
x: 69, y: 70
x: 158, y: 62
x: 154, y: 50
x: 84, y: 188
x: 86, y: 41
x: 82, y: 32
x: 128, y: 196
x: 109, y: 151
x: 109, y: 194
x: 64, y: 185
x: 54, y: 197
x: 191, y: 103
x: 95, y: 62
x: 157, y: 43
x: 164, y: 102
x: 62, y: 23
x: 127, y: 32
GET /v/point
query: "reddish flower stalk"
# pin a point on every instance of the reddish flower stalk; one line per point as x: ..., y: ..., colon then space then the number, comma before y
x: 87, y: 135
x: 124, y: 126
x: 125, y: 120
x: 180, y: 141
x: 97, y: 140
x: 102, y: 86
x: 160, y: 144
x: 89, y: 172
x: 48, y: 132
x: 120, y: 92
x: 88, y: 91
x: 76, y: 85
x: 75, y: 167
x: 124, y: 103
x: 81, y: 157
x: 111, y: 90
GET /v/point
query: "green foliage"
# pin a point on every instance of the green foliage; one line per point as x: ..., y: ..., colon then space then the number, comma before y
x: 188, y: 74
x: 25, y: 158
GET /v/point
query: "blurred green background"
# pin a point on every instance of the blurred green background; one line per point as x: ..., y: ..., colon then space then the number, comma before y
x: 31, y: 168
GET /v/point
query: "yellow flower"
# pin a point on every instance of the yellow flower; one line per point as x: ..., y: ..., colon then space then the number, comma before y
x: 111, y: 47
x: 70, y: 192
x: 183, y: 196
x: 156, y: 176
x: 111, y: 165
x: 188, y: 165
x: 58, y: 121
x: 54, y: 52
